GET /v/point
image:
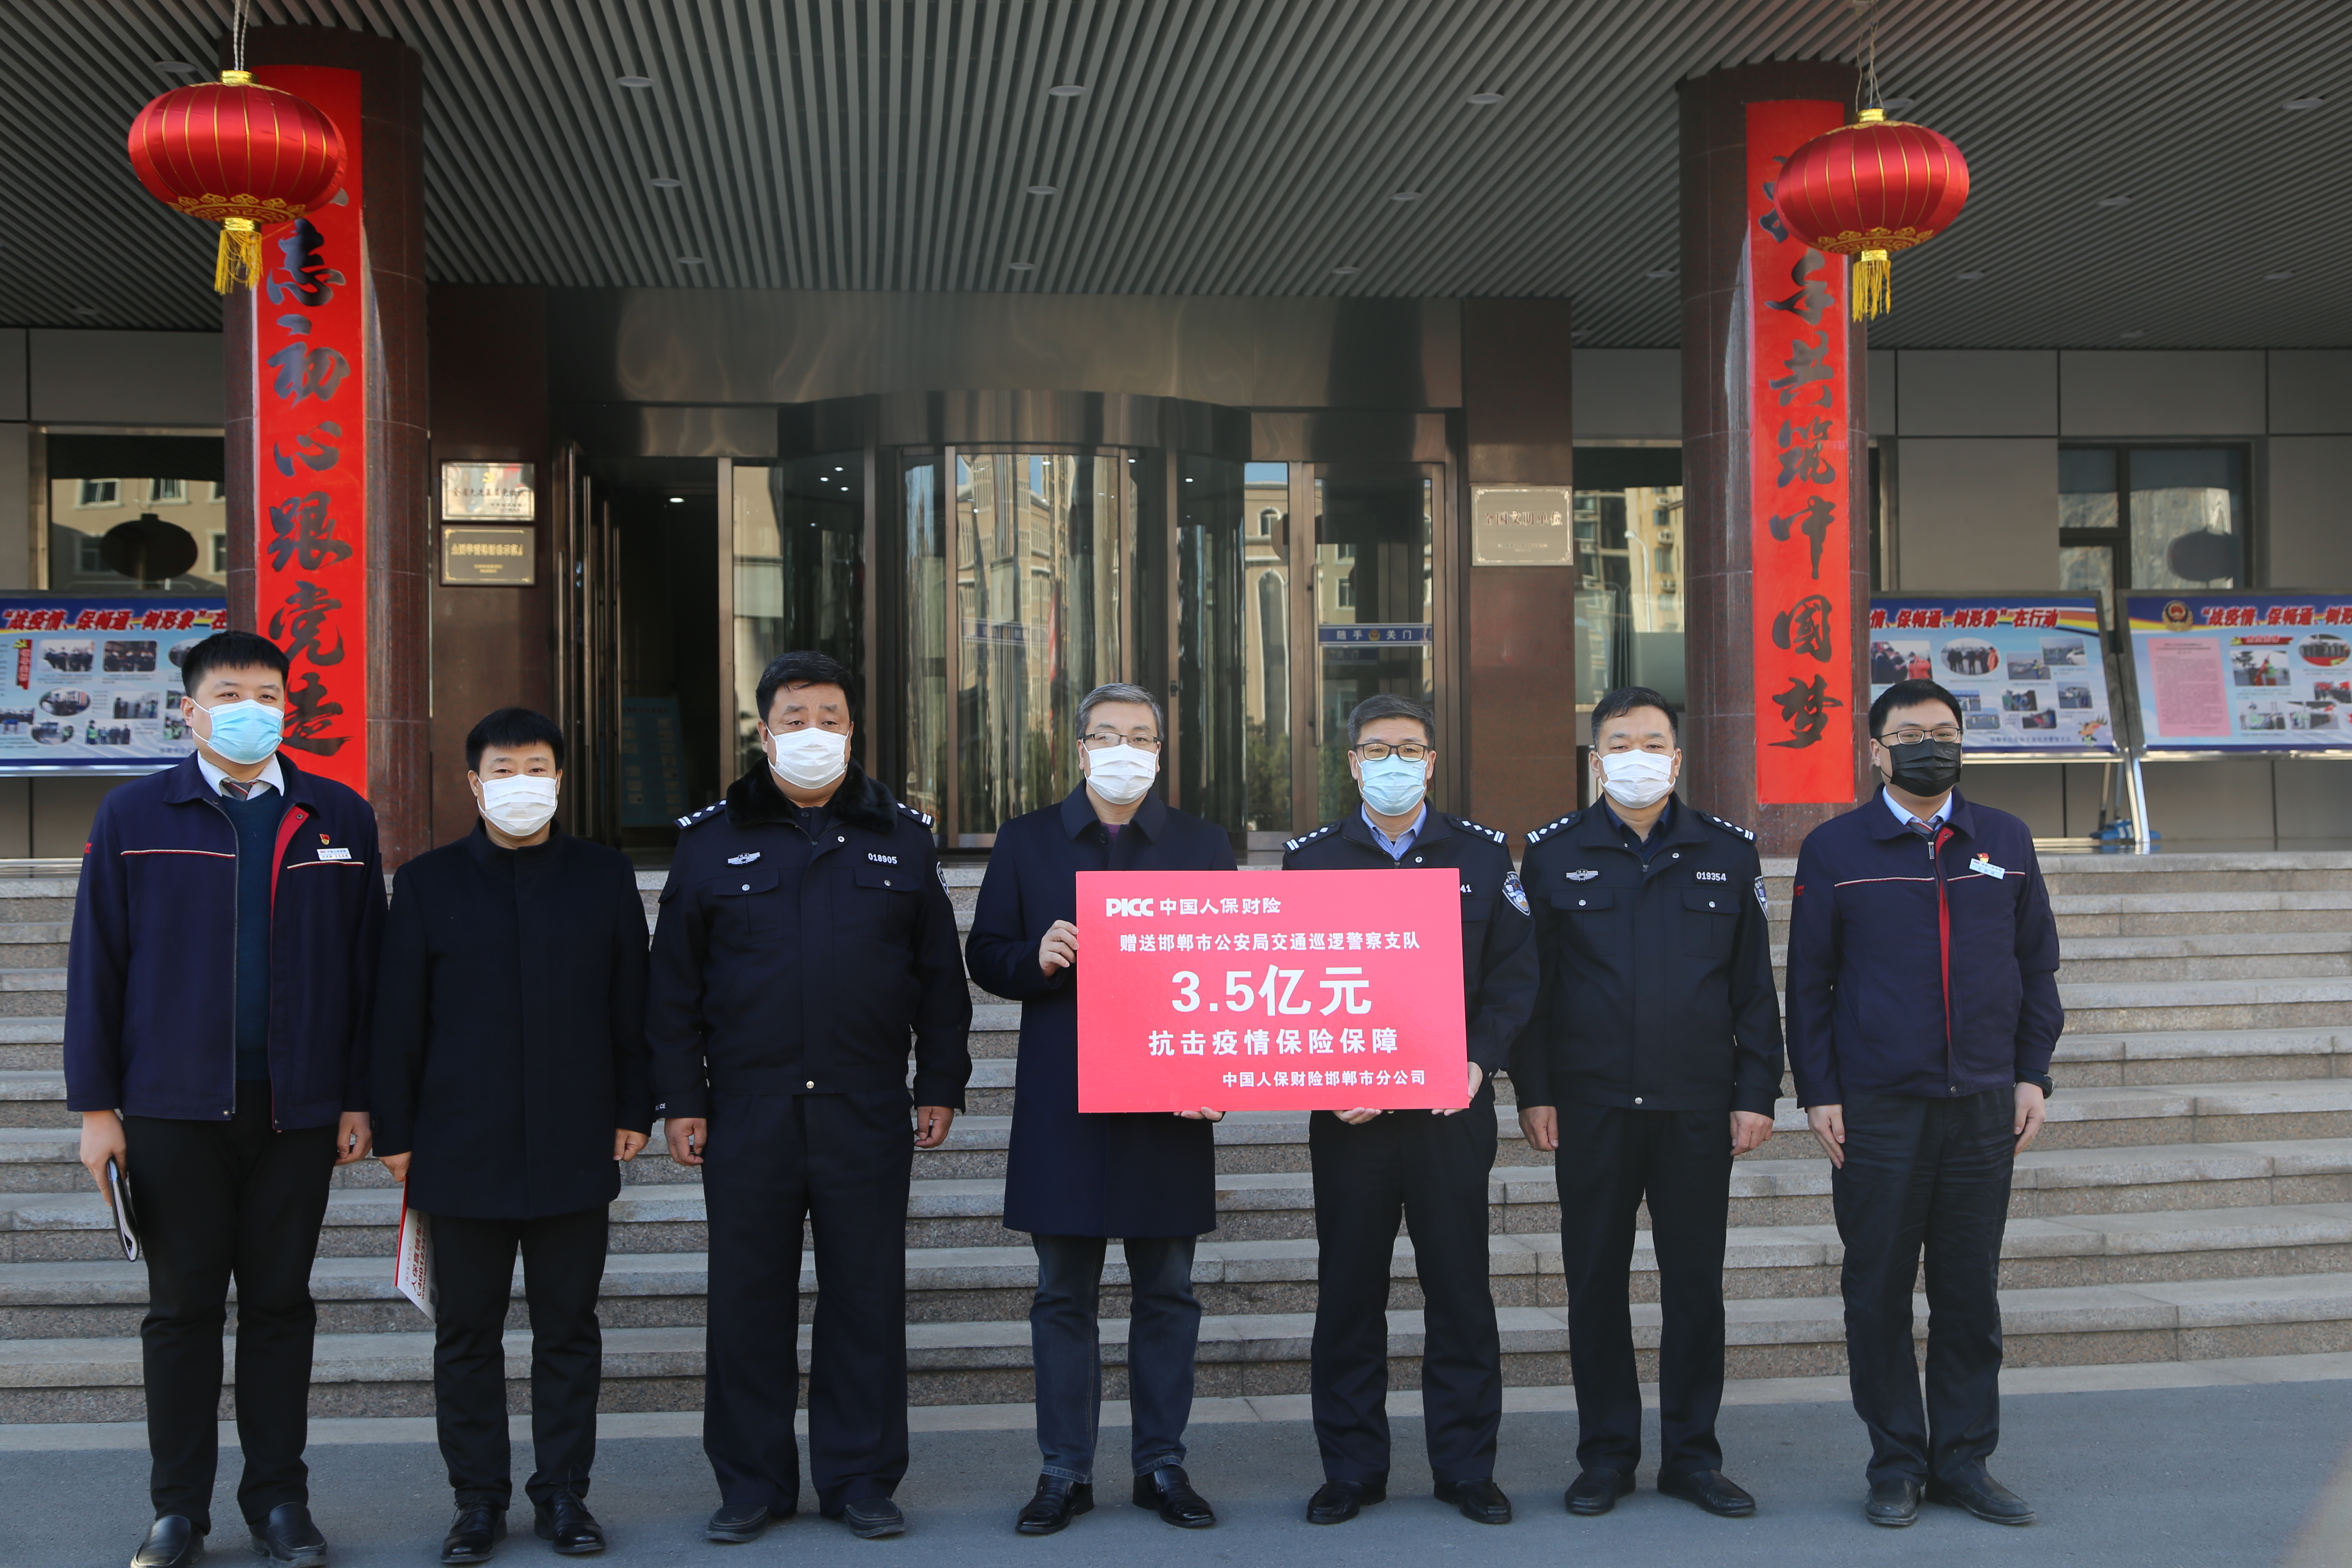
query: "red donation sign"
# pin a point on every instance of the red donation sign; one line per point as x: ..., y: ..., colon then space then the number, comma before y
x: 1270, y: 991
x: 310, y: 468
x: 1799, y: 491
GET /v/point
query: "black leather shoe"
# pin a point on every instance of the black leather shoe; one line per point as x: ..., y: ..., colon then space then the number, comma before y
x: 1057, y: 1503
x: 1595, y: 1491
x: 1481, y: 1501
x: 288, y: 1536
x: 736, y: 1523
x: 1712, y: 1491
x: 566, y: 1521
x: 475, y: 1533
x: 1337, y: 1502
x: 1894, y: 1503
x: 173, y: 1542
x: 1169, y: 1490
x: 872, y: 1518
x: 1985, y: 1498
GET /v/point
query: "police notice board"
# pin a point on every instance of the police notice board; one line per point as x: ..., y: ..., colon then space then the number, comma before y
x: 2243, y: 672
x: 1270, y: 991
x: 94, y: 684
x: 2027, y: 669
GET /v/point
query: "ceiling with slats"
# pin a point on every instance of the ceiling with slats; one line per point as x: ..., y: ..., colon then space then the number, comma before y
x: 2138, y: 179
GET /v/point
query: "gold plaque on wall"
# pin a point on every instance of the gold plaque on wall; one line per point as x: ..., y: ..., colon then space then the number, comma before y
x: 1517, y: 525
x: 477, y: 553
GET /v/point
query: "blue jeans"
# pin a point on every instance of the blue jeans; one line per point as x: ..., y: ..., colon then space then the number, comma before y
x: 1163, y: 1335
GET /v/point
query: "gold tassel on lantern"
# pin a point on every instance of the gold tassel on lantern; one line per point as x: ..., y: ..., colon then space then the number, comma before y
x: 239, y: 258
x: 1872, y: 285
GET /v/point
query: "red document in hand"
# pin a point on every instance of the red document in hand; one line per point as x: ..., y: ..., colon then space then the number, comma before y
x: 1270, y: 991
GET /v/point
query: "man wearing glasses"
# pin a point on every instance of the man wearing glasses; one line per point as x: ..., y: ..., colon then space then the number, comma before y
x: 1074, y: 1180
x: 1427, y: 1168
x: 1923, y: 1009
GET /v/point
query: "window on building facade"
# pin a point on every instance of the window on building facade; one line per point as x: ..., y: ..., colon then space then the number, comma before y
x: 166, y: 492
x: 2151, y: 517
x: 99, y: 492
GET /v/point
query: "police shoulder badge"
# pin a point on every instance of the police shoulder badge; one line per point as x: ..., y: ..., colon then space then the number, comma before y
x: 1763, y: 898
x: 1514, y: 893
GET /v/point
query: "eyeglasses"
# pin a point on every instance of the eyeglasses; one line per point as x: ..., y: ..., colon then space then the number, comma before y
x: 1103, y: 740
x: 1378, y: 751
x: 1911, y: 736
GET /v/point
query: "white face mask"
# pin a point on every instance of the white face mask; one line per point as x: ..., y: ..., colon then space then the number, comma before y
x: 1121, y: 774
x: 809, y: 759
x: 1636, y: 779
x: 519, y: 806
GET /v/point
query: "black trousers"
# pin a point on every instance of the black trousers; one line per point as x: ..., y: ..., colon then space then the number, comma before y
x: 473, y: 1275
x: 220, y: 1201
x: 1163, y: 1343
x: 1430, y: 1171
x: 1929, y: 1175
x: 1611, y: 1159
x: 842, y: 1162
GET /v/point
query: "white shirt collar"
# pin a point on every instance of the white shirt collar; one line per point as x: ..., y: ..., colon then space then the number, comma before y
x: 1901, y: 813
x: 270, y: 774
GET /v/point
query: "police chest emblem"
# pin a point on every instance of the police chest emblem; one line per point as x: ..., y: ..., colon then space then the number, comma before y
x: 1585, y: 875
x: 1514, y: 893
x: 743, y: 859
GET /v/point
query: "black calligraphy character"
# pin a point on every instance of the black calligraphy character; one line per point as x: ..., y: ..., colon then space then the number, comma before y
x: 1771, y: 221
x: 1814, y: 523
x: 1800, y: 452
x: 295, y: 625
x: 1807, y: 362
x: 1813, y: 295
x: 1803, y: 627
x: 304, y: 278
x: 305, y: 371
x: 1805, y: 705
x: 309, y: 715
x: 303, y: 533
x: 312, y: 453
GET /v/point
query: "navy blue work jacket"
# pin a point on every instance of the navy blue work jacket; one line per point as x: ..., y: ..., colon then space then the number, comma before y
x: 150, y: 981
x: 797, y: 954
x: 1069, y: 1174
x: 1919, y: 972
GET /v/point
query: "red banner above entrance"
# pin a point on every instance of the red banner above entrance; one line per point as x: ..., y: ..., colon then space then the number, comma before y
x: 1800, y: 490
x: 310, y: 470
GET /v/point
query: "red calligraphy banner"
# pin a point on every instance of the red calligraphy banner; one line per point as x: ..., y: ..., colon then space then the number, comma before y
x: 1800, y: 490
x: 310, y: 470
x: 1263, y: 991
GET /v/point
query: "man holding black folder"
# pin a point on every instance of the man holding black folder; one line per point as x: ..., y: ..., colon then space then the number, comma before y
x: 217, y: 994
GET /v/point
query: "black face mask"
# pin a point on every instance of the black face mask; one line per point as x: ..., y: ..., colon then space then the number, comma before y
x: 1925, y: 768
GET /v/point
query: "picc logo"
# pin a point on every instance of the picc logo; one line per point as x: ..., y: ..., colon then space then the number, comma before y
x: 1126, y: 907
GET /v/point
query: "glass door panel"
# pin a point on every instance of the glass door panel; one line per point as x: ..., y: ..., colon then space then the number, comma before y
x: 800, y: 574
x: 1373, y: 603
x: 1232, y: 695
x: 914, y: 663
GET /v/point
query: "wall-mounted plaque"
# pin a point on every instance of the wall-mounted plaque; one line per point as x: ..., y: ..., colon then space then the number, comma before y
x: 502, y: 557
x: 488, y: 491
x: 1517, y: 526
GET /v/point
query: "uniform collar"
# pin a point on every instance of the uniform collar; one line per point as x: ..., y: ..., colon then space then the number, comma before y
x: 189, y: 780
x: 1663, y: 829
x: 1957, y: 817
x: 485, y: 853
x: 754, y: 800
x: 1079, y: 814
x: 1433, y: 827
x: 271, y: 774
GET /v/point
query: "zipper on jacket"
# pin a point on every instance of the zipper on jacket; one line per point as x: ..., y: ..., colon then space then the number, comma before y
x: 230, y: 1114
x: 1944, y: 945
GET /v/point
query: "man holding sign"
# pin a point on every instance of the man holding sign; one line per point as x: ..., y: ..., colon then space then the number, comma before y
x: 1074, y: 1180
x: 1374, y: 1168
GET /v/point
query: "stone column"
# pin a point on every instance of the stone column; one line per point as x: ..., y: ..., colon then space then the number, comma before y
x: 1719, y: 734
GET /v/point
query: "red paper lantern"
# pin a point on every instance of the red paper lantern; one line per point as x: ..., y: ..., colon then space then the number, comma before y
x: 239, y: 153
x: 1868, y: 190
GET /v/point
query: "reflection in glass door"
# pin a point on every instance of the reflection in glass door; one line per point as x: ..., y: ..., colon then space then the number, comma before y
x: 799, y: 534
x: 1374, y: 598
x: 1232, y: 658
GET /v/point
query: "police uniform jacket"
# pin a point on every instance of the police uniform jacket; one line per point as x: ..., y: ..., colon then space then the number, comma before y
x: 1498, y: 956
x: 1069, y: 1174
x: 795, y: 952
x: 1657, y: 975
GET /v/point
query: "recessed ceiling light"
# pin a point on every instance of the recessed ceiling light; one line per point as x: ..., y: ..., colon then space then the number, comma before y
x: 2115, y: 201
x: 633, y: 81
x: 2136, y: 333
x: 1486, y: 97
x: 2302, y: 103
x: 690, y: 261
x: 2276, y: 277
x: 677, y: 500
x: 1968, y: 277
x: 1021, y: 267
x: 1045, y: 190
x: 182, y: 67
x: 1345, y: 272
x: 1068, y: 90
x: 1405, y: 195
x: 1897, y: 105
x: 1659, y: 272
x: 664, y: 183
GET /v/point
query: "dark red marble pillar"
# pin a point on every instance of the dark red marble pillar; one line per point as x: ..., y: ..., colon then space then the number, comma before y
x: 392, y: 111
x: 1719, y: 729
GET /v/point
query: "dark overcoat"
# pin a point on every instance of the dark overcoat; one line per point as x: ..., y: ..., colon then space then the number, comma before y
x: 510, y: 1036
x: 1068, y: 1173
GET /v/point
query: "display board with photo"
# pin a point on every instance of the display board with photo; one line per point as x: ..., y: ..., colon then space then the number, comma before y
x: 2243, y: 672
x: 2027, y: 671
x: 95, y: 683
